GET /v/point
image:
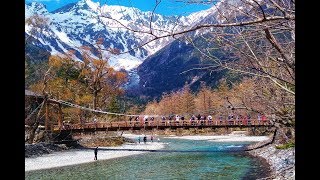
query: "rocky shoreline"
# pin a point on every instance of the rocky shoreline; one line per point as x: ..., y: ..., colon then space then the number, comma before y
x: 38, y: 149
x: 104, y: 141
x: 281, y: 161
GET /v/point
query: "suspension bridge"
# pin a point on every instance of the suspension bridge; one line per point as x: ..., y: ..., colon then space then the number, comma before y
x: 159, y: 124
x: 137, y: 122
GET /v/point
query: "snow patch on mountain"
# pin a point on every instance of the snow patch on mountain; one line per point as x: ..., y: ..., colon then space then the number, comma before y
x: 84, y: 22
x: 62, y: 36
x: 124, y: 61
x: 89, y: 19
x: 94, y: 6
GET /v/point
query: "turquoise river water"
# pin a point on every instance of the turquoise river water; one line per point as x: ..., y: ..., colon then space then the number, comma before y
x: 213, y: 161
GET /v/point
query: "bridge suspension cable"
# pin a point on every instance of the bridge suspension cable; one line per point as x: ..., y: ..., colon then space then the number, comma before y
x: 106, y: 112
x: 29, y: 116
x: 98, y: 111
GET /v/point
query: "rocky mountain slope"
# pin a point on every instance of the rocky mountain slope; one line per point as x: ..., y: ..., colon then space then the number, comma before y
x: 85, y: 22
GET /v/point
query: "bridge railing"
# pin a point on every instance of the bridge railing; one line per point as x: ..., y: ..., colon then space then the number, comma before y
x: 164, y: 123
x: 205, y: 122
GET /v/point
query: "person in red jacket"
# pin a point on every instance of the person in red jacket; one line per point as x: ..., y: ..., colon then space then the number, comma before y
x: 264, y: 119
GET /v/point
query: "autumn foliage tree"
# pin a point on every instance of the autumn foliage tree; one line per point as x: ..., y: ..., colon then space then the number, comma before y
x: 239, y: 98
x: 91, y: 82
x: 103, y: 81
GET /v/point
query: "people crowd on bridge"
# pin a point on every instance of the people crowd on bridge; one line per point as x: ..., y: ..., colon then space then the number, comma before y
x: 183, y: 120
x: 230, y: 119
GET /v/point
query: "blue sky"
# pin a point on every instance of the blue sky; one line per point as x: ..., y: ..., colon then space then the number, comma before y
x: 166, y: 7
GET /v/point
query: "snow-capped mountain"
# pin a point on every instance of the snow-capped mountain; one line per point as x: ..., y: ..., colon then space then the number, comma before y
x: 83, y: 23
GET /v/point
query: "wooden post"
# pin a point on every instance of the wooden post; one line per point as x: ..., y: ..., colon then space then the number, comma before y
x: 60, y: 118
x: 46, y: 122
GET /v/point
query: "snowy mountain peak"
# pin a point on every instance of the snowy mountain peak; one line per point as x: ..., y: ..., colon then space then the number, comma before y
x: 78, y: 6
x: 84, y: 22
x: 81, y: 24
x: 35, y: 8
x: 94, y: 6
x: 87, y: 4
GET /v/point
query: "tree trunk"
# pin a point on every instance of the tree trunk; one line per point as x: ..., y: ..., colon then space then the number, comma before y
x: 60, y: 116
x: 36, y: 124
x: 95, y: 99
x: 46, y: 122
x: 33, y: 132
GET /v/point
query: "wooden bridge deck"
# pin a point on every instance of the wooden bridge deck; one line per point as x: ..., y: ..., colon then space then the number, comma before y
x: 159, y: 124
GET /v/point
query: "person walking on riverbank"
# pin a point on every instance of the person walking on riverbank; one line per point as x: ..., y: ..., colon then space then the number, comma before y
x: 96, y: 153
x: 145, y: 139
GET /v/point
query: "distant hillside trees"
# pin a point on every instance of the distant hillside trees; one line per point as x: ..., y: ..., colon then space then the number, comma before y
x: 235, y: 99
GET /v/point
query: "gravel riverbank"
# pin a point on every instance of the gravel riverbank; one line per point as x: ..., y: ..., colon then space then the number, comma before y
x: 79, y: 156
x: 281, y: 161
x: 35, y: 150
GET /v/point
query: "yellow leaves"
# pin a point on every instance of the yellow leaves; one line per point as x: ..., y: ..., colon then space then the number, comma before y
x: 56, y: 83
x: 92, y: 80
x: 111, y: 71
x: 223, y: 87
x: 84, y: 99
x: 151, y: 108
x: 119, y: 77
x: 176, y: 102
x: 55, y: 61
x: 62, y: 62
x: 102, y: 80
x: 67, y: 94
x: 59, y: 90
x: 208, y: 101
x: 98, y: 63
x: 71, y: 114
x: 37, y: 88
x: 85, y: 72
x: 134, y: 110
x: 73, y: 83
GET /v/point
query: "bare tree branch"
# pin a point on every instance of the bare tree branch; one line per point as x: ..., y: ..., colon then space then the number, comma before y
x: 152, y: 14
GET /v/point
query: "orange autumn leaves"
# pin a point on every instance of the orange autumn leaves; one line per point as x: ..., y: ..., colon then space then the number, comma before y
x: 243, y: 96
x: 91, y: 82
